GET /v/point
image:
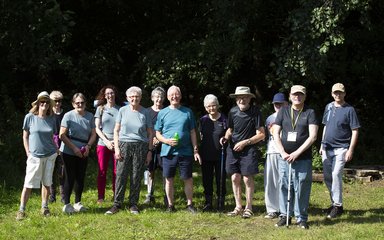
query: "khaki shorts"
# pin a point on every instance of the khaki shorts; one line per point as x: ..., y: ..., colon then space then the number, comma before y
x: 39, y: 170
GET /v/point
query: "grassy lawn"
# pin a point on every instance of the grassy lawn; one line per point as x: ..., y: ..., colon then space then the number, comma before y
x: 363, y: 205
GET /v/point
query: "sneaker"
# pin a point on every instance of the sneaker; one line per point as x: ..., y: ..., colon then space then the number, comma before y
x: 303, y: 225
x: 45, y: 211
x: 171, y: 209
x: 100, y: 201
x: 271, y: 215
x: 79, y: 207
x: 134, y: 209
x: 335, y: 212
x: 68, y: 208
x: 20, y: 215
x: 112, y: 210
x: 149, y: 200
x: 207, y: 207
x: 191, y: 209
x: 52, y: 199
x: 328, y: 210
x: 283, y: 222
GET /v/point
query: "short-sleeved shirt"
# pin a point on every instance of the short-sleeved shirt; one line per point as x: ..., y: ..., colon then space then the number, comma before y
x: 41, y: 132
x: 304, y: 118
x: 107, y: 121
x: 271, y: 145
x: 176, y: 120
x: 133, y: 124
x: 211, y: 132
x: 79, y: 129
x: 244, y: 123
x: 339, y: 122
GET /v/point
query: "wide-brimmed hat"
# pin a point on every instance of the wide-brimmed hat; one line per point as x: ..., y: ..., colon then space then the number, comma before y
x: 42, y: 95
x: 242, y: 90
x: 338, y: 87
x: 279, y: 98
x: 298, y: 88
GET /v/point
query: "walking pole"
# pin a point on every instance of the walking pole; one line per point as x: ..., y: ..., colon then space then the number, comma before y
x: 221, y: 176
x: 289, y: 191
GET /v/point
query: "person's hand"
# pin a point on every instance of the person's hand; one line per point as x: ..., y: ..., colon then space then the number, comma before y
x: 110, y: 144
x: 293, y: 157
x: 78, y: 152
x: 196, y: 155
x: 348, y: 155
x: 240, y: 146
x: 223, y: 141
x: 172, y: 142
x: 155, y: 142
x: 117, y: 154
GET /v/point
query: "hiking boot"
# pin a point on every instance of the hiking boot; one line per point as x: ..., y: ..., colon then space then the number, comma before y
x: 20, y: 215
x: 45, y: 211
x: 271, y: 215
x: 79, y: 207
x: 303, y: 225
x: 335, y: 212
x: 68, y: 208
x: 112, y: 210
x: 134, y: 209
x: 191, y: 209
x: 171, y: 209
x: 283, y: 222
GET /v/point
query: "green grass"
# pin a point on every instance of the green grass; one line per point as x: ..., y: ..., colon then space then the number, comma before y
x: 364, y: 213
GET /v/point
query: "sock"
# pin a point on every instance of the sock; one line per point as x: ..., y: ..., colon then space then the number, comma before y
x: 22, y: 208
x: 44, y: 204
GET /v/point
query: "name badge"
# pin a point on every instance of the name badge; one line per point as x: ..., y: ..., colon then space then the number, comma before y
x: 292, y: 136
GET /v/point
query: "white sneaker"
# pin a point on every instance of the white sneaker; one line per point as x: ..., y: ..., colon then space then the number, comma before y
x: 68, y: 208
x: 79, y: 207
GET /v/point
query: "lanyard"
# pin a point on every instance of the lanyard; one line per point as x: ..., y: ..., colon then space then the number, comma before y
x: 292, y: 121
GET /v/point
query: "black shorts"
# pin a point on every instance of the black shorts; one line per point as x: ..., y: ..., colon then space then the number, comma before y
x: 244, y: 162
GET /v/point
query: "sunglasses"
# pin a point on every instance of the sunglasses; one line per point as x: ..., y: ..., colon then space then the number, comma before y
x: 44, y: 102
x: 58, y: 100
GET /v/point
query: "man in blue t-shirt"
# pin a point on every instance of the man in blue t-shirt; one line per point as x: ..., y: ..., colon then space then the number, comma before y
x: 176, y: 130
x: 341, y: 128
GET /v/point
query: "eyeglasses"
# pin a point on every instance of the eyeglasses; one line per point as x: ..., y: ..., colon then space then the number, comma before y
x: 57, y: 100
x: 211, y: 106
x: 79, y: 103
x: 109, y: 93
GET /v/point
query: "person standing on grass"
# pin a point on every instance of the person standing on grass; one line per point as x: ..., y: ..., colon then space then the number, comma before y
x: 41, y: 150
x: 105, y: 118
x: 157, y: 97
x: 175, y: 128
x: 294, y: 132
x: 245, y: 129
x: 271, y: 169
x: 340, y: 133
x: 77, y: 134
x: 133, y: 136
x: 212, y: 127
x: 58, y: 172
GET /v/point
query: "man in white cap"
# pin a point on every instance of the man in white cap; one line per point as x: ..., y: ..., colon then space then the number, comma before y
x: 340, y: 133
x: 245, y: 129
x: 294, y: 132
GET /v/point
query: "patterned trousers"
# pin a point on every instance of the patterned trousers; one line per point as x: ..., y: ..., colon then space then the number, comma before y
x: 131, y: 165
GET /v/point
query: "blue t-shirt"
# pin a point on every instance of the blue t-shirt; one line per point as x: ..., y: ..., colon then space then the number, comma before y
x: 107, y: 121
x: 176, y: 120
x: 339, y: 122
x: 41, y: 132
x: 133, y: 124
x: 79, y: 129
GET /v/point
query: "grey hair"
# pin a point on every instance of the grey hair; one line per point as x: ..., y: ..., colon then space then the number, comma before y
x: 158, y: 90
x: 133, y: 89
x: 173, y: 87
x: 210, y: 98
x: 56, y: 95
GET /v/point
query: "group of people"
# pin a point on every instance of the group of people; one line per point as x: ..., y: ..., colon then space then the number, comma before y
x: 136, y: 138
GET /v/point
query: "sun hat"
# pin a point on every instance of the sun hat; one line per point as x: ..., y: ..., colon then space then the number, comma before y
x: 279, y: 98
x: 338, y: 87
x: 298, y: 88
x: 42, y: 95
x: 242, y: 90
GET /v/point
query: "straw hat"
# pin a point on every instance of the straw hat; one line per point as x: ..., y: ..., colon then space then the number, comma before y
x: 242, y: 90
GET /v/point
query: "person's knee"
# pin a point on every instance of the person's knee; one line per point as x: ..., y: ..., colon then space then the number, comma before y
x: 236, y: 178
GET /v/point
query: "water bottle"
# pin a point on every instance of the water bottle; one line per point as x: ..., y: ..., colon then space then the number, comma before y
x: 82, y: 150
x: 146, y: 173
x: 176, y: 137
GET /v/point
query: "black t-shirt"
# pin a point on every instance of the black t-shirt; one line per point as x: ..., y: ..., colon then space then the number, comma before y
x: 304, y: 118
x: 244, y: 123
x: 211, y: 132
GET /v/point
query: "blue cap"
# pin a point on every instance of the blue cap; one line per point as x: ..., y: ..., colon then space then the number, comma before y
x: 279, y: 98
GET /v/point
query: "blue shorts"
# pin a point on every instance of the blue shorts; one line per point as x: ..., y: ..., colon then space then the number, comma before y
x: 244, y: 162
x: 170, y: 164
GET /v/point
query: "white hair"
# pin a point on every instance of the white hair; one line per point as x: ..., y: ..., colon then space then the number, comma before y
x: 209, y: 99
x: 173, y: 87
x: 133, y: 89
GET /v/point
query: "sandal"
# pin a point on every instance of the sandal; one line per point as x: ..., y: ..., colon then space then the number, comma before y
x: 247, y: 213
x: 235, y: 212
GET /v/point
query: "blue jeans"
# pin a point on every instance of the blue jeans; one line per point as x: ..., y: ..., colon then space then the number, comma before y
x: 301, y: 184
x: 333, y: 165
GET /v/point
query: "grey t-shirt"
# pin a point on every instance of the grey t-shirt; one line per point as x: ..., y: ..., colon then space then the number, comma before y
x: 107, y: 121
x: 133, y: 125
x: 79, y: 129
x: 41, y: 132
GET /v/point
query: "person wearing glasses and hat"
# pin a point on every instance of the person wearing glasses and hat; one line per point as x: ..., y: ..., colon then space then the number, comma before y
x: 340, y: 133
x: 271, y: 169
x: 38, y: 129
x: 245, y: 129
x: 294, y: 132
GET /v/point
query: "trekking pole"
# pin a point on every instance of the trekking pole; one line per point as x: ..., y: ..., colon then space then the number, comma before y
x: 222, y: 177
x: 289, y: 191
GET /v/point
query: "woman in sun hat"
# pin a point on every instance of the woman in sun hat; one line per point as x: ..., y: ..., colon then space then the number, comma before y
x: 245, y: 129
x: 41, y: 151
